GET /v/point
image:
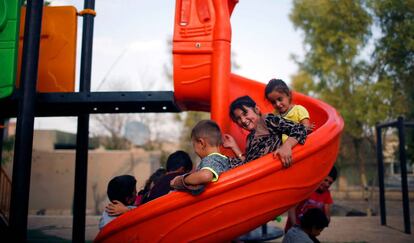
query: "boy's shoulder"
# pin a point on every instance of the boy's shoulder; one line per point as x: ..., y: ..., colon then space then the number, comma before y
x: 215, y: 159
x: 296, y: 234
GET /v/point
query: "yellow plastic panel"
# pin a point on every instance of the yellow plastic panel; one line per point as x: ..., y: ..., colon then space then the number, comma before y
x: 57, y: 56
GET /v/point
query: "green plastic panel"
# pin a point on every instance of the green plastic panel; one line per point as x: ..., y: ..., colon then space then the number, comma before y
x: 9, y: 28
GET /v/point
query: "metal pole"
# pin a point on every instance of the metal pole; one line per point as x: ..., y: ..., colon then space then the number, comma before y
x: 25, y: 121
x: 404, y: 183
x: 264, y: 230
x: 2, y: 133
x: 380, y: 160
x: 82, y: 137
x: 388, y: 124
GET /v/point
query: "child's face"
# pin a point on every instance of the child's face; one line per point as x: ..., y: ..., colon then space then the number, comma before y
x: 325, y: 184
x: 315, y: 232
x: 279, y: 100
x: 248, y: 119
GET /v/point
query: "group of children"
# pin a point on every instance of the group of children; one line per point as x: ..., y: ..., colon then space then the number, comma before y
x: 275, y: 133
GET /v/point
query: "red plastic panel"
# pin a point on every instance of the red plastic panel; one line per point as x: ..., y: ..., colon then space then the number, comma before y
x: 202, y: 28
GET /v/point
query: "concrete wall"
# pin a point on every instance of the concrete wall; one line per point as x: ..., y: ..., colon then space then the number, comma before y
x: 52, y: 179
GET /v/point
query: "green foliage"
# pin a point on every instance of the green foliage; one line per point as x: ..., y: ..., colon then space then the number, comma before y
x: 394, y: 54
x: 8, y: 143
x: 364, y: 90
x: 302, y: 82
x: 367, y: 78
x: 335, y: 33
x: 8, y: 148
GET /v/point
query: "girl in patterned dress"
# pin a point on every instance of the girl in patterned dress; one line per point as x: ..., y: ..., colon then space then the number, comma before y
x: 265, y: 133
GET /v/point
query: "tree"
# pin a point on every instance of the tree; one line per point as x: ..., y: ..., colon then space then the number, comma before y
x: 334, y: 70
x: 394, y: 53
x: 368, y: 78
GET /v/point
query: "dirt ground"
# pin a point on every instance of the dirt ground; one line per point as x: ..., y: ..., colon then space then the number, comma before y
x: 343, y: 228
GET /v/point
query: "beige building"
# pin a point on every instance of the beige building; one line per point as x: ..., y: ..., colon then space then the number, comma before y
x: 53, y: 171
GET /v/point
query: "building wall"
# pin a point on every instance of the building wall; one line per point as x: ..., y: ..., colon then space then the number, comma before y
x: 52, y: 178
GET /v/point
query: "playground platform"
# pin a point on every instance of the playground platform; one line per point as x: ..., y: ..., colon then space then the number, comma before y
x: 342, y: 229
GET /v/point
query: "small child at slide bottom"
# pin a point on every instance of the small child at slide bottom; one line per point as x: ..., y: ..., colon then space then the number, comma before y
x: 321, y: 198
x: 312, y: 224
x: 123, y: 189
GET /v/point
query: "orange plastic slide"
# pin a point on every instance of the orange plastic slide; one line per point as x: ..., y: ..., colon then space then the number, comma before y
x: 247, y: 196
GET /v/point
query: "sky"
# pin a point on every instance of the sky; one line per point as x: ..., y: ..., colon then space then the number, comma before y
x: 130, y: 46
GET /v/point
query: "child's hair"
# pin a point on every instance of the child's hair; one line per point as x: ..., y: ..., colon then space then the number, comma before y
x: 333, y: 173
x: 154, y: 178
x: 314, y: 218
x: 179, y: 159
x: 121, y: 188
x: 277, y: 85
x: 241, y: 103
x: 209, y: 130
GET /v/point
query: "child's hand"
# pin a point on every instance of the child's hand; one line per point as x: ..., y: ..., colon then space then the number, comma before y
x: 176, y: 182
x: 229, y: 142
x: 285, y: 155
x: 116, y: 208
x: 310, y: 127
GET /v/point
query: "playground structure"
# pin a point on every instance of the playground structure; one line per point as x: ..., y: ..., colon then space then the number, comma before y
x: 243, y: 199
x: 399, y: 124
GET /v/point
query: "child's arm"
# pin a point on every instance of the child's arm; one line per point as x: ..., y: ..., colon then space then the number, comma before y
x: 229, y: 142
x: 292, y: 215
x: 194, y: 179
x: 327, y: 210
x: 309, y: 126
x: 194, y: 182
x: 199, y: 177
x: 116, y: 208
x: 285, y: 152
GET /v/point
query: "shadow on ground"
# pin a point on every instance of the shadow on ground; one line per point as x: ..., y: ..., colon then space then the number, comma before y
x: 37, y: 235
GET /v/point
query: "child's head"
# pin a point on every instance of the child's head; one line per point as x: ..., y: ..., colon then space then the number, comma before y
x: 329, y: 179
x: 122, y: 188
x: 245, y: 113
x: 179, y: 161
x: 279, y: 95
x: 205, y: 136
x: 314, y: 221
